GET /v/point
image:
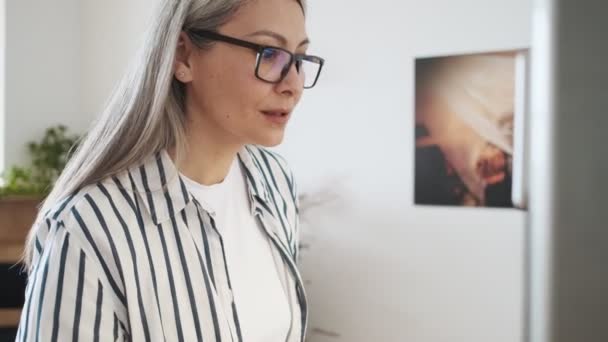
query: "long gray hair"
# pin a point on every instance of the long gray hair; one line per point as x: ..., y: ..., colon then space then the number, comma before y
x: 145, y: 113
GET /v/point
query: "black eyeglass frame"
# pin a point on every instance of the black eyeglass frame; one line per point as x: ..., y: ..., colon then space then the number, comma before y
x: 260, y: 49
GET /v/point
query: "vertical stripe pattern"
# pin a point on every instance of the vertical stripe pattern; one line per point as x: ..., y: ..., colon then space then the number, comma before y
x: 136, y: 257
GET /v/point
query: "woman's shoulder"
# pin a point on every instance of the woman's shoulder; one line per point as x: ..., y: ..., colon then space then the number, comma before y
x: 61, y: 209
x: 274, y: 169
x: 76, y: 230
x: 89, y: 195
x: 90, y: 214
x: 269, y: 160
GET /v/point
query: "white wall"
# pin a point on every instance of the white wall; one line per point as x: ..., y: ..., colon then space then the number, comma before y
x: 63, y: 58
x: 42, y: 68
x: 2, y: 76
x: 380, y: 268
x: 112, y: 31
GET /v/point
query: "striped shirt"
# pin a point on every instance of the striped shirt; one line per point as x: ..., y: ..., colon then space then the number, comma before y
x: 136, y: 257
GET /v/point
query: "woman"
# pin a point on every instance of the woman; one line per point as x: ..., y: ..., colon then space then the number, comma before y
x: 169, y: 222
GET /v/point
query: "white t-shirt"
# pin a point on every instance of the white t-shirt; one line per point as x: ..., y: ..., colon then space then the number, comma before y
x: 258, y: 294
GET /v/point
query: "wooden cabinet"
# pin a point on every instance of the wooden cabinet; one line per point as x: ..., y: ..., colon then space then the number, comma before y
x: 17, y: 215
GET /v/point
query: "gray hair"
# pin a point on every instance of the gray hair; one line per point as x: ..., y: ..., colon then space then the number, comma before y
x: 145, y: 112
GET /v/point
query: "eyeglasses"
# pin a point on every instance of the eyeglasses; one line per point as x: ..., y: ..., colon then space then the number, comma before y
x: 273, y: 63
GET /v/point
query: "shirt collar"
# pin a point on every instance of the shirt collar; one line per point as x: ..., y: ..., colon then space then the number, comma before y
x: 163, y: 190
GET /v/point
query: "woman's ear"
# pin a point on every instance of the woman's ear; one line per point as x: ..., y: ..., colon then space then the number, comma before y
x: 183, y: 52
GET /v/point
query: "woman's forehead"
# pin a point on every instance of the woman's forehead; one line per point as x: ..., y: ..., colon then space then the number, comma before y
x: 283, y: 17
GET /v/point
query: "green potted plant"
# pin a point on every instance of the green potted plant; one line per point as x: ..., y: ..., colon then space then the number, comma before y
x: 23, y: 188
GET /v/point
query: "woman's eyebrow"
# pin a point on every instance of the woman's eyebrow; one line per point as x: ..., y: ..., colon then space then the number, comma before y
x: 282, y: 40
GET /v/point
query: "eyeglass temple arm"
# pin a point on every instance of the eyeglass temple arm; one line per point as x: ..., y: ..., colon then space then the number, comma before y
x: 216, y: 36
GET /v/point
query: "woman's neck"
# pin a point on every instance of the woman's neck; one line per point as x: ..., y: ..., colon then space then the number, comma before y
x: 208, y: 157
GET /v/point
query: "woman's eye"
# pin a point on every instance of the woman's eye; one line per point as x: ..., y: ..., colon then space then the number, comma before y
x: 269, y: 54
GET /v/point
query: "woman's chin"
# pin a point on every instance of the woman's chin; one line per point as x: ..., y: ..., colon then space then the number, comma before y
x: 270, y: 140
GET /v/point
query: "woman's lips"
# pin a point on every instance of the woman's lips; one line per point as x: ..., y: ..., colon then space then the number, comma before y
x: 278, y: 117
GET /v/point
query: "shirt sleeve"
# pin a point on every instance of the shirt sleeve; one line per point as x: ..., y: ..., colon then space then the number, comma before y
x: 67, y: 297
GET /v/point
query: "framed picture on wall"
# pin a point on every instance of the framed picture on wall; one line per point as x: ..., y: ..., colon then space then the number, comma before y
x: 466, y: 110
